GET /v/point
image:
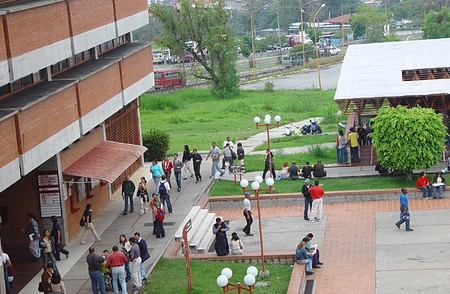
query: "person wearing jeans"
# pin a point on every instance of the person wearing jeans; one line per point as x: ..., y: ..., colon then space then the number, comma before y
x: 167, y: 167
x: 94, y: 262
x: 128, y: 188
x: 135, y: 260
x: 214, y: 153
x: 303, y: 257
x: 404, y: 211
x: 424, y: 184
x: 438, y: 184
x: 177, y: 166
x: 34, y: 236
x: 164, y: 194
x: 308, y: 198
x: 157, y: 173
x: 144, y: 254
x: 116, y: 261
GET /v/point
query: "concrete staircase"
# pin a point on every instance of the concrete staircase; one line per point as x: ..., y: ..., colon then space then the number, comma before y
x: 200, y: 236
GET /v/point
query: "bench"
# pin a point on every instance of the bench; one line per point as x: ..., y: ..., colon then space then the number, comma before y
x: 298, y: 279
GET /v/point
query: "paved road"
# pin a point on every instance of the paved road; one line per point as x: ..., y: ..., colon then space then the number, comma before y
x: 302, y: 80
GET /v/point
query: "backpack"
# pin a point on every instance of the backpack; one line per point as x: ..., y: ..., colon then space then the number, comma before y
x: 160, y: 214
x: 162, y: 189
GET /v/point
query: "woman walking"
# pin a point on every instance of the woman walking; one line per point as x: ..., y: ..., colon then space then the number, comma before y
x: 143, y: 195
x: 57, y: 285
x: 197, y: 159
x: 47, y: 251
x: 187, y: 162
x: 89, y: 225
x: 220, y: 230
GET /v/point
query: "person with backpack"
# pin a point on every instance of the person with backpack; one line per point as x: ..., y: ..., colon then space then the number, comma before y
x: 159, y: 219
x: 164, y: 193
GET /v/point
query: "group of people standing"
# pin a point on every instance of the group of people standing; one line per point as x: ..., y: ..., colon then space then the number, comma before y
x: 228, y: 155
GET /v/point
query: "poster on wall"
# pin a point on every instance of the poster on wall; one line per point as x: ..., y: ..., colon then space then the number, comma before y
x: 49, y: 193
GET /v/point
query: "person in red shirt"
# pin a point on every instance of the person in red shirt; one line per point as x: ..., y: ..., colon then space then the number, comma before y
x: 167, y: 167
x: 424, y: 184
x: 317, y: 205
x: 116, y: 262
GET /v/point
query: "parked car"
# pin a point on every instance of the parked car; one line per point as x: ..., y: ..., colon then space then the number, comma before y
x: 290, y: 61
x: 334, y: 50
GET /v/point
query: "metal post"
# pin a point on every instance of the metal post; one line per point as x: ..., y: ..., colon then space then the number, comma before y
x: 253, y: 44
x: 342, y: 26
x: 260, y: 230
x: 302, y: 33
x: 317, y: 48
x: 186, y: 229
x: 270, y: 152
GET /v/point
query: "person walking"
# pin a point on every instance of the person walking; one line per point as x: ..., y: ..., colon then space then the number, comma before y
x: 240, y: 155
x: 269, y: 164
x: 214, y: 153
x: 34, y: 236
x: 404, y: 211
x: 167, y: 167
x: 144, y: 253
x: 143, y: 195
x: 127, y: 194
x: 89, y: 225
x: 197, y: 161
x: 316, y: 193
x: 308, y: 198
x: 47, y: 251
x: 56, y: 236
x: 94, y: 262
x: 45, y: 278
x: 247, y: 214
x: 177, y: 166
x: 354, y: 145
x: 116, y: 262
x: 136, y: 260
x: 164, y: 194
x: 157, y: 173
x: 159, y: 219
x: 227, y: 157
x: 187, y: 162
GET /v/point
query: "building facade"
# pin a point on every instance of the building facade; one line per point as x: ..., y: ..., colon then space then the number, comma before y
x: 70, y: 81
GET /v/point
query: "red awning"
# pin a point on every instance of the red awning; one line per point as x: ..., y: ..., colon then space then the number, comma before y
x: 107, y: 161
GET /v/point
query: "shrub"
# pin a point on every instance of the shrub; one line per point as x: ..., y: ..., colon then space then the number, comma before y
x: 268, y: 87
x: 330, y: 114
x: 268, y: 105
x: 157, y: 142
x: 175, y: 119
x: 317, y: 150
x: 239, y: 106
x: 160, y: 102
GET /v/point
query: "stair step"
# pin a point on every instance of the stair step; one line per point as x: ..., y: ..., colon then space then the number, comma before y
x: 204, y: 228
x: 206, y: 240
x: 191, y: 215
x: 196, y: 222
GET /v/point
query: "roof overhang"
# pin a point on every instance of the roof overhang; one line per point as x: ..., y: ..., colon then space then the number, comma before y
x: 107, y: 161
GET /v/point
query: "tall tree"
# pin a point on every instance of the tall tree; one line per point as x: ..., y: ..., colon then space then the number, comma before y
x: 407, y: 139
x: 203, y: 31
x: 437, y: 25
x: 369, y: 22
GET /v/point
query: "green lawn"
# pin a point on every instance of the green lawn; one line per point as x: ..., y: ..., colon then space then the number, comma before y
x: 195, y: 117
x: 297, y: 141
x: 170, y: 277
x: 226, y: 188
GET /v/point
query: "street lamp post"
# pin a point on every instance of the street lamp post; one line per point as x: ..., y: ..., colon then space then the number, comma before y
x: 267, y: 123
x: 302, y: 32
x: 249, y: 280
x: 253, y: 29
x: 315, y: 43
x: 256, y: 186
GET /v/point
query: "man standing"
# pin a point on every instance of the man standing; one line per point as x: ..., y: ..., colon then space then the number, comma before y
x: 136, y: 260
x: 167, y: 167
x: 308, y: 198
x: 177, y: 166
x: 404, y: 211
x: 316, y: 194
x: 33, y: 235
x: 164, y: 194
x: 214, y: 153
x: 354, y: 146
x: 94, y: 262
x: 56, y: 235
x: 116, y: 262
x: 293, y: 171
x: 247, y: 214
x: 144, y: 253
x: 127, y: 194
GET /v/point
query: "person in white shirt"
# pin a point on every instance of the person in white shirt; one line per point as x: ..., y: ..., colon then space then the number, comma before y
x: 228, y: 141
x: 247, y: 214
x: 236, y: 245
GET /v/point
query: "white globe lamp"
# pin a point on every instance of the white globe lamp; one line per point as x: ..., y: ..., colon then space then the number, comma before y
x: 267, y: 120
x: 222, y: 281
x: 277, y: 118
x: 269, y: 182
x: 249, y: 280
x: 255, y: 185
x: 258, y: 179
x: 227, y: 273
x: 256, y: 119
x: 244, y: 183
x: 252, y: 270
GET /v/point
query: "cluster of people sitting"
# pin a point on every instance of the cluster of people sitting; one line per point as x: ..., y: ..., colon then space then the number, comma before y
x: 308, y: 254
x: 294, y: 172
x: 429, y: 189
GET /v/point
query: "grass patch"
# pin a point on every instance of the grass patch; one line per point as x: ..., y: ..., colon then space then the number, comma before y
x: 227, y: 188
x: 195, y: 117
x: 256, y: 162
x: 297, y: 141
x: 170, y: 277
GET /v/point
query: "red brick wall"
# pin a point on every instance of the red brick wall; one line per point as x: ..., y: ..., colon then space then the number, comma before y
x: 99, y: 196
x: 87, y: 14
x: 132, y: 73
x: 126, y: 8
x: 99, y: 88
x: 35, y: 28
x: 8, y: 147
x: 19, y: 199
x: 3, y: 55
x: 46, y: 118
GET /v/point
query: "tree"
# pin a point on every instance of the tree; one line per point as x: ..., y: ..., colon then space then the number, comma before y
x: 297, y: 50
x: 437, y: 25
x: 205, y: 28
x: 407, y: 139
x: 370, y: 22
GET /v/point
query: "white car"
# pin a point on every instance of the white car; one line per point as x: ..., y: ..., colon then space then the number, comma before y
x: 334, y: 50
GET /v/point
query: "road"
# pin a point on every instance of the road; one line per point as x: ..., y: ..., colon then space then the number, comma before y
x: 306, y: 79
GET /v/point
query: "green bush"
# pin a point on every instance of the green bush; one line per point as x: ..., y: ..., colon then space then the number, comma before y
x: 239, y: 106
x: 155, y: 102
x: 318, y: 151
x: 157, y: 142
x: 268, y: 105
x: 268, y: 87
x: 175, y: 119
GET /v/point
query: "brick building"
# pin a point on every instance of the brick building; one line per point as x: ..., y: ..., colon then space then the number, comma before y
x: 70, y: 79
